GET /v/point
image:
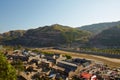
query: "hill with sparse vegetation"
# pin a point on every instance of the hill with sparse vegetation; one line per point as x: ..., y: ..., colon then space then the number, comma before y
x: 46, y: 36
x: 98, y: 28
x: 98, y: 35
x: 109, y: 37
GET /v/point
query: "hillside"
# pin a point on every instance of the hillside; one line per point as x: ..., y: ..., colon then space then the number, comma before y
x: 97, y: 28
x: 56, y: 35
x: 46, y: 36
x: 11, y: 35
x: 109, y: 37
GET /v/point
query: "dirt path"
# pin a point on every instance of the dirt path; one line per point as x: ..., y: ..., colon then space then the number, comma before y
x: 111, y: 62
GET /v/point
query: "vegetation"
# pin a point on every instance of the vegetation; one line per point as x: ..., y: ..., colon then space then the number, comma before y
x: 105, y: 35
x: 98, y: 28
x: 74, y: 35
x: 42, y: 51
x: 109, y: 37
x: 98, y: 50
x: 53, y: 35
x: 68, y: 56
x: 36, y: 51
x: 13, y: 34
x: 7, y: 72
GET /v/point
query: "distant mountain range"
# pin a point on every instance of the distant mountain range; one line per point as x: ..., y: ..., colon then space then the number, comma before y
x: 101, y: 34
x: 109, y: 37
x: 97, y: 28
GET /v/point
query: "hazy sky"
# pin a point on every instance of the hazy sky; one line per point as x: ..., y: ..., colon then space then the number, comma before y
x: 26, y: 14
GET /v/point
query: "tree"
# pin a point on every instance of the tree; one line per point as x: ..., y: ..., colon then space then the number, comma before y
x: 68, y: 56
x: 7, y: 71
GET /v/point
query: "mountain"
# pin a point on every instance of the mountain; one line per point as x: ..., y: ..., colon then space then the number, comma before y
x: 46, y: 36
x: 97, y: 28
x: 109, y: 37
x: 55, y: 35
x: 11, y: 35
x: 14, y: 34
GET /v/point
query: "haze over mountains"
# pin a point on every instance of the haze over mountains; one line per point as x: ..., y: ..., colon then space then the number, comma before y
x: 102, y: 34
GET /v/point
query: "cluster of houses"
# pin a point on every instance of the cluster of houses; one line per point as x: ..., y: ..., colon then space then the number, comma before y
x: 56, y: 67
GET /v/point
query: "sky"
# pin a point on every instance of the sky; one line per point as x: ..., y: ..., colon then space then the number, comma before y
x: 27, y: 14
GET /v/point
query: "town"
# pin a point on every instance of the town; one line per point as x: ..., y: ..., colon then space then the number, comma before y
x: 55, y: 66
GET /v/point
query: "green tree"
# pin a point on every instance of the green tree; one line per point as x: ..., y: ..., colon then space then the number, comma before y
x: 7, y: 71
x: 68, y: 56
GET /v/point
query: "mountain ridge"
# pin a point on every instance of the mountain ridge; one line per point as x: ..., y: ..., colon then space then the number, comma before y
x: 98, y: 27
x: 109, y: 37
x: 56, y: 34
x: 52, y: 35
